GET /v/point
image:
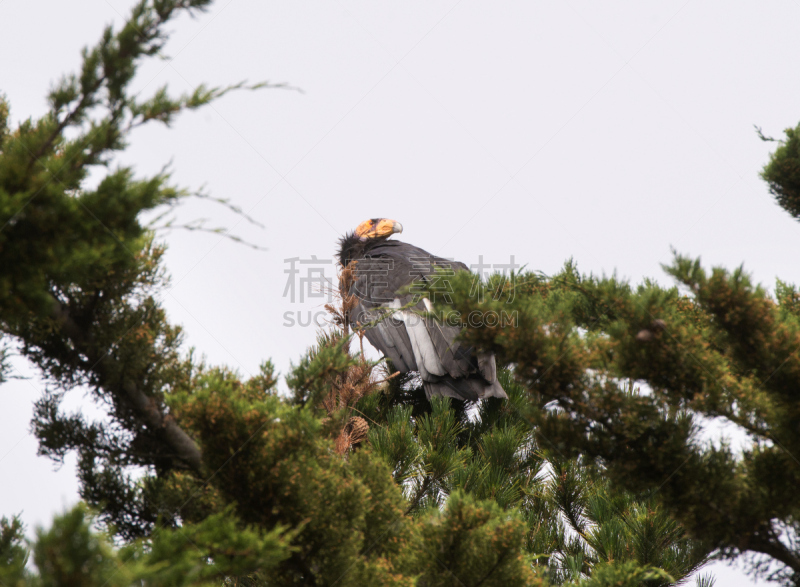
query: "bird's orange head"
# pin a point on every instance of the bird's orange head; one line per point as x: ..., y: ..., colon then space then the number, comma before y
x: 377, y: 228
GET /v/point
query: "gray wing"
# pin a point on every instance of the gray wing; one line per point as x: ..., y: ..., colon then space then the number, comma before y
x: 388, y: 268
x: 404, y: 333
x: 388, y: 335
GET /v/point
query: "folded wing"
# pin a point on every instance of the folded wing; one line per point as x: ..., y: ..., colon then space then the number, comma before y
x: 412, y: 340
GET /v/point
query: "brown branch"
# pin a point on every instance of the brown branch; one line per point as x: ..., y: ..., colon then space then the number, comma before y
x: 145, y: 407
x: 63, y: 124
x: 773, y: 547
x: 87, y: 95
x: 419, y: 494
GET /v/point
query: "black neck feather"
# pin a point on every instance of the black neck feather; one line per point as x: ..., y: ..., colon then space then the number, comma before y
x: 350, y: 247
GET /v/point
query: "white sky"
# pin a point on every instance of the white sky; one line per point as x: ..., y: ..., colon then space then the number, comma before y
x: 606, y: 132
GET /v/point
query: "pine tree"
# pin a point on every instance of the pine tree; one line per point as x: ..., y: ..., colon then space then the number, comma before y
x: 588, y: 475
x: 237, y: 479
x: 622, y: 374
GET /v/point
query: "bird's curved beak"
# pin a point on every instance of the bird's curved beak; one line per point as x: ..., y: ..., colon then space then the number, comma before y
x: 382, y: 228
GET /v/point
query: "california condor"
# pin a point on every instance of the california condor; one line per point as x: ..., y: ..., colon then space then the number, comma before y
x: 409, y: 336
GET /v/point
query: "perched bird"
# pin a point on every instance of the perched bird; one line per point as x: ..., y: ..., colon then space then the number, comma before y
x: 395, y: 322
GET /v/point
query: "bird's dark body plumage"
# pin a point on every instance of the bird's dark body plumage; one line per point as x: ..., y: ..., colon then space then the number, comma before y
x: 412, y: 340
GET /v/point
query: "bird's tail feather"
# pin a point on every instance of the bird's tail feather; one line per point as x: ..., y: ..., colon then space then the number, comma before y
x: 468, y: 389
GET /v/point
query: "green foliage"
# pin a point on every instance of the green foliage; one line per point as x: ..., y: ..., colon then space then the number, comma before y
x: 591, y: 473
x: 80, y: 270
x: 72, y: 553
x: 274, y: 461
x: 482, y: 504
x: 573, y: 520
x: 626, y: 575
x: 13, y: 553
x: 208, y: 552
x: 474, y: 543
x: 310, y: 379
x: 618, y: 527
x: 621, y: 373
x: 782, y: 173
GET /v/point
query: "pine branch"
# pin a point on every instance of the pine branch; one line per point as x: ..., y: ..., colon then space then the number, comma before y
x: 773, y: 547
x: 125, y: 390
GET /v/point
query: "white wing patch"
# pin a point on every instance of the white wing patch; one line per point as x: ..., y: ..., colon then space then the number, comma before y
x: 421, y: 344
x: 385, y: 336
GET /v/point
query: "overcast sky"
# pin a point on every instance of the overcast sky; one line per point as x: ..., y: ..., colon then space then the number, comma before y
x: 603, y: 131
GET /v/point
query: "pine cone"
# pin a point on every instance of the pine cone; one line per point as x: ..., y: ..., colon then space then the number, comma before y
x: 357, y: 429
